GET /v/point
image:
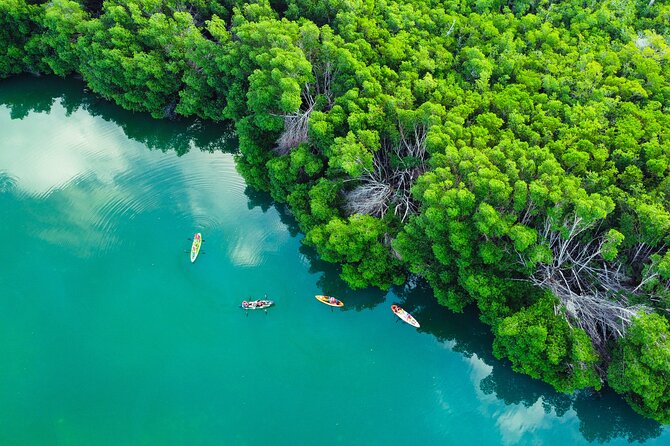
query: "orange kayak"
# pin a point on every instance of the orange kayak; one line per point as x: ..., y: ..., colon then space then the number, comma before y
x: 329, y: 300
x: 405, y: 316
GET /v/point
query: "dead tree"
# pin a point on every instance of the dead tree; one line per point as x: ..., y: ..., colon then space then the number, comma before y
x: 296, y: 125
x: 388, y: 184
x: 373, y: 193
x: 593, y: 292
x: 411, y: 154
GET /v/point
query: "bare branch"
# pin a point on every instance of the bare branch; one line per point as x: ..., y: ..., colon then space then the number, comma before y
x: 370, y: 198
x: 593, y: 292
x: 451, y: 28
x: 296, y: 125
x: 389, y: 183
x: 295, y: 132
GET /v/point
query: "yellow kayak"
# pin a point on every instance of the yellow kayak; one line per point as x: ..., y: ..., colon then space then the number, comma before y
x: 329, y: 300
x: 195, y: 247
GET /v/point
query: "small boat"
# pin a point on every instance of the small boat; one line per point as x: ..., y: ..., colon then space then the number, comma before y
x: 405, y: 316
x: 256, y: 304
x: 195, y: 247
x: 330, y: 300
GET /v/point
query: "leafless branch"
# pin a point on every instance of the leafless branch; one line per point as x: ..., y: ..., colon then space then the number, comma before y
x: 451, y: 29
x: 594, y: 293
x: 296, y: 125
x: 388, y: 185
x: 295, y: 131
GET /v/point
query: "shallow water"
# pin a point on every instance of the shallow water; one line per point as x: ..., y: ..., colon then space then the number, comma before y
x: 109, y: 335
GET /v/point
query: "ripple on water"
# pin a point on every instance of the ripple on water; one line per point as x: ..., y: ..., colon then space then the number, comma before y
x: 206, y: 184
x: 7, y: 182
x: 79, y: 220
x: 212, y: 177
x: 246, y: 241
x: 96, y: 178
x: 56, y: 157
x: 246, y: 252
x: 148, y: 183
x: 227, y: 175
x: 252, y: 243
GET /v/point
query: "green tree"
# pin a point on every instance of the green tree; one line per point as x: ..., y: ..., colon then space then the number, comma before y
x: 358, y: 242
x: 17, y: 24
x: 55, y: 45
x: 641, y: 366
x: 543, y: 345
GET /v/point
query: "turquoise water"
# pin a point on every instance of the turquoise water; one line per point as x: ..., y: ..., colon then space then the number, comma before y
x: 110, y: 336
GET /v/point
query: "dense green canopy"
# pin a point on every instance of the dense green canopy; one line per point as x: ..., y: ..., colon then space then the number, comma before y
x: 515, y: 154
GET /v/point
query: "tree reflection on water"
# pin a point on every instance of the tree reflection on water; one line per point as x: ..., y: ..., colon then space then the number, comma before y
x: 603, y: 416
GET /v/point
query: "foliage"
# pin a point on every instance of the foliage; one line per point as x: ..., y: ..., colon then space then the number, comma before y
x: 516, y: 155
x: 641, y: 366
x: 358, y: 242
x: 60, y: 26
x: 560, y: 355
x: 17, y: 23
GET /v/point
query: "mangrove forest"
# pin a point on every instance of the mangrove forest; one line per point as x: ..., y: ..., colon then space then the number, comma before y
x: 514, y: 154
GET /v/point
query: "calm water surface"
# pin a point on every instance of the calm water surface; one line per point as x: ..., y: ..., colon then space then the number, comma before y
x: 110, y: 336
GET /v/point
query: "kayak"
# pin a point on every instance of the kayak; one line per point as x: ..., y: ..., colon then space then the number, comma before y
x: 256, y: 304
x: 405, y: 316
x: 329, y: 300
x: 195, y: 247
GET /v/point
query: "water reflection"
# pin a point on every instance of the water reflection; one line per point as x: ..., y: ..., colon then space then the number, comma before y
x: 7, y: 182
x: 88, y: 147
x: 95, y: 171
x: 329, y: 281
x: 26, y: 94
x: 263, y: 201
x: 530, y: 405
x: 520, y: 405
x: 331, y: 284
x: 603, y: 416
